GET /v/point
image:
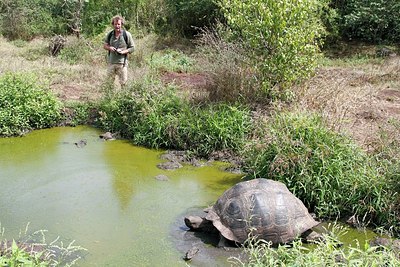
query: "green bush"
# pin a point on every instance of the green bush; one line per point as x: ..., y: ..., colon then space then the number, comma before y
x: 372, y: 20
x: 25, y: 104
x: 160, y: 119
x: 332, y: 176
x: 280, y: 36
x: 140, y: 15
x: 210, y: 128
x: 77, y: 113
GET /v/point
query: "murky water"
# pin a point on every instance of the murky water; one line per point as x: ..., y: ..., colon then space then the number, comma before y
x: 103, y: 195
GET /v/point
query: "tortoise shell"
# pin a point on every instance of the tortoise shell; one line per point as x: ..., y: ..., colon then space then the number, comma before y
x: 262, y: 208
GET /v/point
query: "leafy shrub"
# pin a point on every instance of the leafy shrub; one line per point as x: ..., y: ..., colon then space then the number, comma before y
x: 281, y: 37
x: 210, y: 128
x: 140, y: 15
x: 77, y: 113
x: 327, y: 171
x: 374, y: 20
x: 25, y: 104
x: 34, y: 18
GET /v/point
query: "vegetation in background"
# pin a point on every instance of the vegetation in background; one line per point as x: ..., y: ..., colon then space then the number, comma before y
x: 20, y: 19
x: 77, y: 51
x: 373, y: 20
x: 332, y: 176
x: 260, y: 47
x: 26, y: 104
x: 187, y: 18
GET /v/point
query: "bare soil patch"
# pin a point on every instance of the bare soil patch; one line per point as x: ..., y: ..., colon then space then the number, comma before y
x: 362, y: 101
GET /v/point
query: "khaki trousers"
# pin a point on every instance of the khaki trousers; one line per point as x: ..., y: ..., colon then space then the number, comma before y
x: 118, y: 70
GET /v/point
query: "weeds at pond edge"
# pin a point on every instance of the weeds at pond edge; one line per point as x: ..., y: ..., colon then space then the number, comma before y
x: 32, y: 249
x: 327, y: 253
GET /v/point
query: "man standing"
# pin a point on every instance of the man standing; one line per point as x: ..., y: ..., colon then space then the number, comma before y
x: 119, y: 43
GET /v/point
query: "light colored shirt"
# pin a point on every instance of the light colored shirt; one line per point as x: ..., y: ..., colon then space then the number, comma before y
x: 114, y: 57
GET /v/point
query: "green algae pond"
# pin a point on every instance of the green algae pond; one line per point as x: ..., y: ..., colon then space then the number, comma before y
x: 105, y: 196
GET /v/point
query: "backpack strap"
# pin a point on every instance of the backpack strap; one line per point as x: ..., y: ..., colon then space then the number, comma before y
x: 126, y: 41
x: 123, y: 34
x: 108, y: 40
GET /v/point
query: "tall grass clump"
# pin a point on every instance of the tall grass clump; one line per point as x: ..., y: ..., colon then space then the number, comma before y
x: 327, y: 253
x: 387, y: 160
x: 154, y: 116
x: 212, y: 127
x: 332, y: 176
x: 26, y: 104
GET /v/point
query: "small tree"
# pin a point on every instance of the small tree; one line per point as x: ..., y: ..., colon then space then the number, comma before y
x: 282, y: 37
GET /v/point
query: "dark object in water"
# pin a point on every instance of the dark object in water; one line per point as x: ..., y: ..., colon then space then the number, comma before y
x: 81, y: 143
x: 191, y: 253
x: 106, y: 136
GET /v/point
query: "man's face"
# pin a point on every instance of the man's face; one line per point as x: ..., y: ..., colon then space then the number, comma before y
x: 117, y: 25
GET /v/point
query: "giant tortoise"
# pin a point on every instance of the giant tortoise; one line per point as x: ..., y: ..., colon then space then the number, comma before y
x: 260, y: 208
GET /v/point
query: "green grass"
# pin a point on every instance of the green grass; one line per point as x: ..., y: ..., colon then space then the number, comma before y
x: 170, y: 60
x: 328, y: 253
x: 329, y: 173
x: 154, y: 116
